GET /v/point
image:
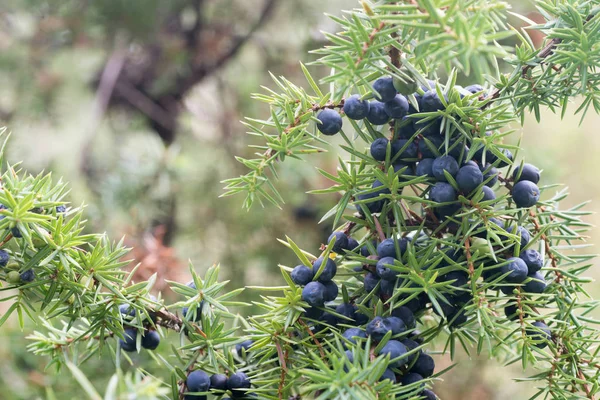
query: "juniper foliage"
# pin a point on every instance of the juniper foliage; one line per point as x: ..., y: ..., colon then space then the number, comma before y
x: 453, y: 274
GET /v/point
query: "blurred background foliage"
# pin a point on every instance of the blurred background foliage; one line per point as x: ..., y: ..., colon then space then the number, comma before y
x: 138, y: 103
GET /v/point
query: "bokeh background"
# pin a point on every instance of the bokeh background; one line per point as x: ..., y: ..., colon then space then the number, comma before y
x: 138, y: 104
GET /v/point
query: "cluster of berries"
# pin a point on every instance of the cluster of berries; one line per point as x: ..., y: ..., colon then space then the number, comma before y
x: 150, y: 338
x: 198, y: 381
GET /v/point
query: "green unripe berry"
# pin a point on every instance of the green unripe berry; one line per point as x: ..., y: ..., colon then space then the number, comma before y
x: 407, y: 86
x: 480, y: 245
x: 12, y: 265
x: 13, y: 277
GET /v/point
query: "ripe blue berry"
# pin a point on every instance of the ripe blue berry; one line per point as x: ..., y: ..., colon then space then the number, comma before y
x: 352, y: 244
x: 512, y: 312
x: 525, y: 194
x: 428, y: 395
x: 197, y: 381
x: 373, y: 206
x: 397, y: 325
x: 238, y: 381
x: 27, y: 276
x: 411, y: 345
x: 468, y: 178
x: 384, y: 271
x: 430, y: 147
x: 4, y: 257
x: 406, y: 315
x: 476, y: 88
x: 150, y: 340
x: 395, y: 349
x: 61, y: 209
x: 431, y: 102
x: 529, y: 173
x: 488, y: 193
x: 424, y: 365
x: 331, y: 290
x: 533, y: 260
x: 387, y: 248
x: 129, y: 342
x: 355, y: 108
x: 403, y: 149
x: 442, y: 192
x: 517, y: 268
x: 218, y: 382
x: 127, y: 310
x: 16, y: 232
x: 396, y: 108
x: 329, y: 270
x: 341, y: 241
x: 330, y: 122
x: 444, y: 163
x: 425, y: 167
x: 410, y: 378
x: 370, y: 282
x: 379, y: 149
x: 537, y: 283
x: 490, y: 174
x: 387, y: 287
x: 353, y: 333
x: 314, y: 294
x: 377, y: 114
x: 540, y: 333
x: 384, y: 88
x: 347, y: 310
x: 302, y: 275
x: 388, y: 374
x: 244, y: 347
x: 378, y: 327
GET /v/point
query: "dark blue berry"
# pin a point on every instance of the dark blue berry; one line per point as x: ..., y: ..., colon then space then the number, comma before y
x: 529, y: 173
x: 378, y: 327
x: 238, y: 381
x: 424, y: 365
x: 379, y: 149
x: 388, y: 374
x: 384, y: 271
x: 127, y: 310
x: 387, y: 248
x: 404, y: 149
x: 150, y: 340
x: 384, y: 88
x: 395, y: 349
x: 27, y: 276
x: 197, y: 381
x: 428, y: 395
x: 444, y: 163
x: 348, y: 311
x: 302, y: 275
x: 355, y: 108
x: 243, y: 347
x: 16, y: 232
x: 4, y: 257
x: 525, y: 194
x: 533, y: 260
x: 476, y: 88
x: 314, y: 294
x: 397, y: 325
x: 442, y: 192
x: 490, y: 174
x: 406, y: 315
x: 537, y: 283
x: 352, y: 244
x: 468, y: 178
x: 387, y: 287
x: 512, y: 312
x: 377, y: 114
x: 427, y: 146
x: 370, y: 282
x: 218, y: 382
x: 341, y: 241
x: 330, y: 122
x: 331, y: 290
x: 488, y: 193
x: 129, y: 342
x: 425, y: 167
x: 329, y: 270
x: 61, y: 209
x: 517, y: 268
x: 396, y: 108
x: 540, y: 333
x: 431, y: 102
x: 353, y: 333
x: 410, y: 378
